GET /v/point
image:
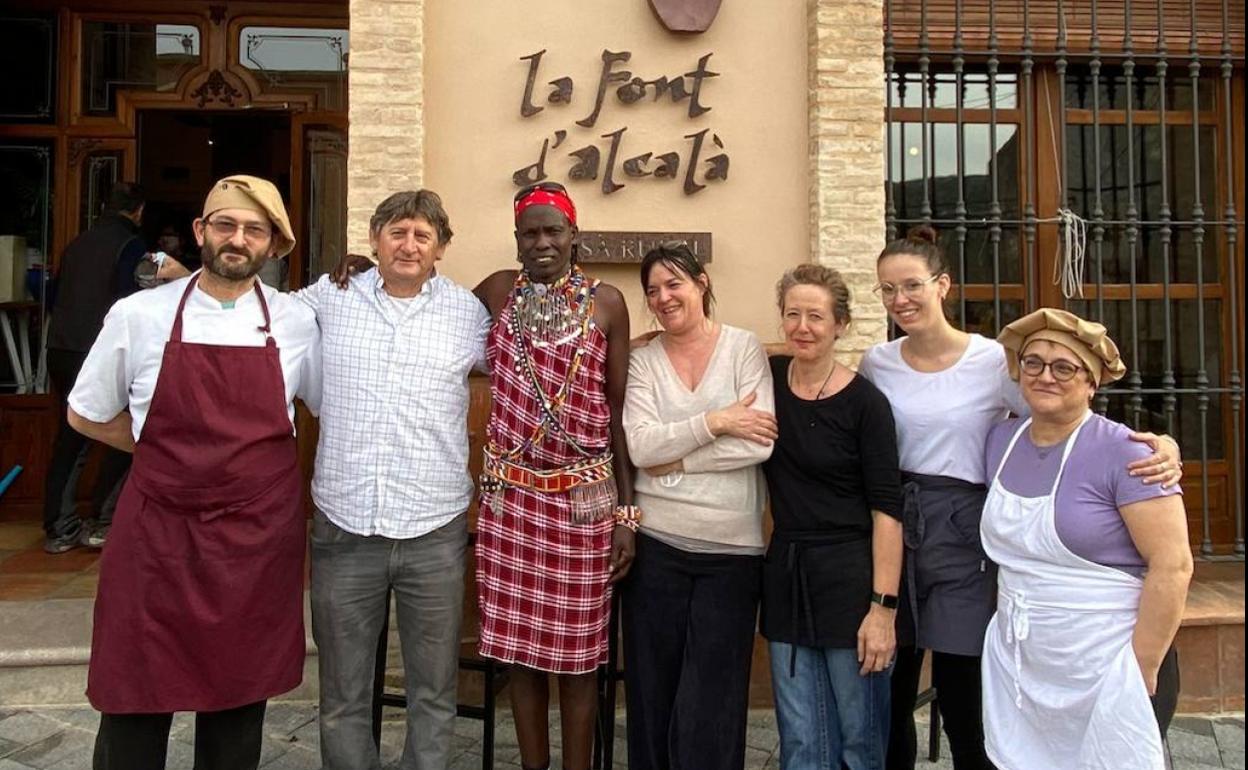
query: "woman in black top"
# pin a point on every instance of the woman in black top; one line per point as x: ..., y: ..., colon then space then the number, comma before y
x: 832, y: 570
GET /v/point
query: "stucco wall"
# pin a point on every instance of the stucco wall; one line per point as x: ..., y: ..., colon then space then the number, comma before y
x: 798, y: 105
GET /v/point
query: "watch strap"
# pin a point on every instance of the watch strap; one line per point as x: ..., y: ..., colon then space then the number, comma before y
x: 887, y: 601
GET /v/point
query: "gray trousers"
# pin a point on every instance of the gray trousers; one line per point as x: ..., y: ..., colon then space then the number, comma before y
x: 350, y: 576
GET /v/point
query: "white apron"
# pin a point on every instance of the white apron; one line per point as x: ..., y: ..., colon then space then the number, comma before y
x: 1062, y: 687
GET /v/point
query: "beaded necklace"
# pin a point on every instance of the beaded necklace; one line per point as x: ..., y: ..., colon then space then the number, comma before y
x: 544, y: 317
x: 551, y: 314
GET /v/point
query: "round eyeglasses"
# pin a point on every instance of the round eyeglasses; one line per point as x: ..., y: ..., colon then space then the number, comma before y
x: 912, y: 289
x: 1062, y: 370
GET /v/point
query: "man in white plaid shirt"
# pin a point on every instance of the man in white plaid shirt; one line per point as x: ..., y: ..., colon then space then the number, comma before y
x: 392, y: 485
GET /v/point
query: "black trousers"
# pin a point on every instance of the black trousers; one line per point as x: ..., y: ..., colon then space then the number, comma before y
x: 957, y: 682
x: 69, y: 454
x: 959, y: 698
x: 224, y: 740
x: 689, y: 622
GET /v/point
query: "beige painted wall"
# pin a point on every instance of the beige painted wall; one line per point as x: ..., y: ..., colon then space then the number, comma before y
x: 475, y: 137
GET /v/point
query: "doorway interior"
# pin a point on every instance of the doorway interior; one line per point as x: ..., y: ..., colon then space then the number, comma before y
x: 182, y: 152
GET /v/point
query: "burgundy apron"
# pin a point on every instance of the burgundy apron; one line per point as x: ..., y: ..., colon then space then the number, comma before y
x: 200, y: 604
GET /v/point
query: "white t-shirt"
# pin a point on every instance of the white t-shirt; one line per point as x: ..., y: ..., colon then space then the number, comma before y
x: 943, y: 418
x: 121, y: 370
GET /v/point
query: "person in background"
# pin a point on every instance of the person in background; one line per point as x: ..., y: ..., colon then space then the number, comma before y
x: 947, y: 389
x: 200, y: 604
x: 96, y: 269
x: 158, y: 269
x: 1093, y: 567
x: 699, y: 420
x: 557, y: 520
x: 832, y: 571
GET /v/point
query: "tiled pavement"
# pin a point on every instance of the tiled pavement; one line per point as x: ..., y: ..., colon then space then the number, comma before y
x: 61, y: 739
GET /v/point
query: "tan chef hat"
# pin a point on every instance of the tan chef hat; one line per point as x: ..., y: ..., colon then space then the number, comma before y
x: 254, y: 194
x: 1086, y: 339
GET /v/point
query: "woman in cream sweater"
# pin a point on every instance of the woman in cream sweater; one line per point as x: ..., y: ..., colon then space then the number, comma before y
x: 699, y: 420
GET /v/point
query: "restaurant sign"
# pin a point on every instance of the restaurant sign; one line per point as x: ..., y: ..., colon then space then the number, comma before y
x: 699, y: 162
x: 615, y: 247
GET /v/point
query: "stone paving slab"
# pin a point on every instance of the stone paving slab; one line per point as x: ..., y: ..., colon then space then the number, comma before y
x: 62, y: 739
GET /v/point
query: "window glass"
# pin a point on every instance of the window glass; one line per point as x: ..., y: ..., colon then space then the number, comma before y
x: 1145, y: 91
x: 980, y: 160
x: 298, y: 59
x: 28, y: 46
x: 127, y: 56
x: 1144, y: 161
x: 100, y: 171
x: 942, y: 90
x: 1187, y: 358
x: 26, y: 168
x: 981, y: 315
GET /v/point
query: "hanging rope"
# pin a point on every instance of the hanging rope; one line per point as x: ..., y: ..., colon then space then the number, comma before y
x: 1068, y: 267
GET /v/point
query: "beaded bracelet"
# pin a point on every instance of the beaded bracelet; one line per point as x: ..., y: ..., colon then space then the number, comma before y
x: 628, y: 516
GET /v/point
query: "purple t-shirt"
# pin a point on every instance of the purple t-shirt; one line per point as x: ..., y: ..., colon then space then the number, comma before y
x: 1095, y: 485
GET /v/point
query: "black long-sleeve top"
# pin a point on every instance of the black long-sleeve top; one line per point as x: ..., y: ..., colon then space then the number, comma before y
x: 834, y: 462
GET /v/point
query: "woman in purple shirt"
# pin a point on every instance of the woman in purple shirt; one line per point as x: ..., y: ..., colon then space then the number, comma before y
x: 1093, y: 567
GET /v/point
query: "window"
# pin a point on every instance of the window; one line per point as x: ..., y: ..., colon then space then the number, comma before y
x: 28, y: 46
x: 122, y: 55
x: 1144, y: 144
x: 298, y: 59
x: 974, y: 203
x: 26, y: 167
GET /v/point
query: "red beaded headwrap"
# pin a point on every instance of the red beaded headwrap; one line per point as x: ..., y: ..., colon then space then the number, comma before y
x: 542, y: 197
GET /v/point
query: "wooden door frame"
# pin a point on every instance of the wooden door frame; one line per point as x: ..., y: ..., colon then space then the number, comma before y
x: 299, y: 181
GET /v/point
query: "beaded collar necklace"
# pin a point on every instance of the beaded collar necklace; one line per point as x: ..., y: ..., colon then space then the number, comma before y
x: 545, y: 316
x: 548, y: 315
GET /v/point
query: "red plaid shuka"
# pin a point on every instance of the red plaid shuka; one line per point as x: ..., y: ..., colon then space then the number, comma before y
x: 542, y: 578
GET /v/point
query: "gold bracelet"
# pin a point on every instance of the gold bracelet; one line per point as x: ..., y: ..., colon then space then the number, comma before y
x: 628, y: 516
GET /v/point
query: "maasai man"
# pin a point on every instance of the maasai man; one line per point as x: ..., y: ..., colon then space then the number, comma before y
x: 200, y: 606
x: 557, y: 523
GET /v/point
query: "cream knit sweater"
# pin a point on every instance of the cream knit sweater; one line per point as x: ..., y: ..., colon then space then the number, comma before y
x: 721, y: 495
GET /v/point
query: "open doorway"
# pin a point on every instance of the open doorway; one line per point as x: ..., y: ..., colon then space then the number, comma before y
x: 181, y: 153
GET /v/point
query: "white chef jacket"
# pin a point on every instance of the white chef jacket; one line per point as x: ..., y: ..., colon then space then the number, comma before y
x: 121, y: 370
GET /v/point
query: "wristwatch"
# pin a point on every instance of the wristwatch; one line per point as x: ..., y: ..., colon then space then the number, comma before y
x: 887, y: 601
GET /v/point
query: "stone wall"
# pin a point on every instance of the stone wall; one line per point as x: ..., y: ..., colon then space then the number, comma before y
x: 387, y: 138
x: 847, y: 104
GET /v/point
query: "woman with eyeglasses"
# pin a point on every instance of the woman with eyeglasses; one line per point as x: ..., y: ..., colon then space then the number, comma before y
x: 699, y: 420
x: 947, y: 389
x: 1093, y: 567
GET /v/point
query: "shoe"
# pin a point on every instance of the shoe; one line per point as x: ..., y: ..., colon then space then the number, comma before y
x: 63, y: 544
x: 94, y: 534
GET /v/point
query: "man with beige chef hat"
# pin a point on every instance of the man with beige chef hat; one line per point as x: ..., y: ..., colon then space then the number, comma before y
x: 200, y: 599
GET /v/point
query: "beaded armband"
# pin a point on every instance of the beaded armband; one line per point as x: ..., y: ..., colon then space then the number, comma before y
x: 628, y: 516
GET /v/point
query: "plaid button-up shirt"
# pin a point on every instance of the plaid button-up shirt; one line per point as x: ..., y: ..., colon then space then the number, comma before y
x: 393, y: 453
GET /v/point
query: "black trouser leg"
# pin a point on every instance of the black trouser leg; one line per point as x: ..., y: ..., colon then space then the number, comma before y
x: 132, y: 742
x: 1166, y: 701
x: 723, y: 614
x: 689, y: 622
x: 656, y: 620
x: 902, y: 738
x: 68, y: 451
x: 229, y: 740
x: 959, y: 697
x: 112, y: 476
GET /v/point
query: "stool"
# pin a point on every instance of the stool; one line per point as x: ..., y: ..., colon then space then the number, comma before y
x: 609, y: 676
x: 495, y: 677
x: 925, y: 698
